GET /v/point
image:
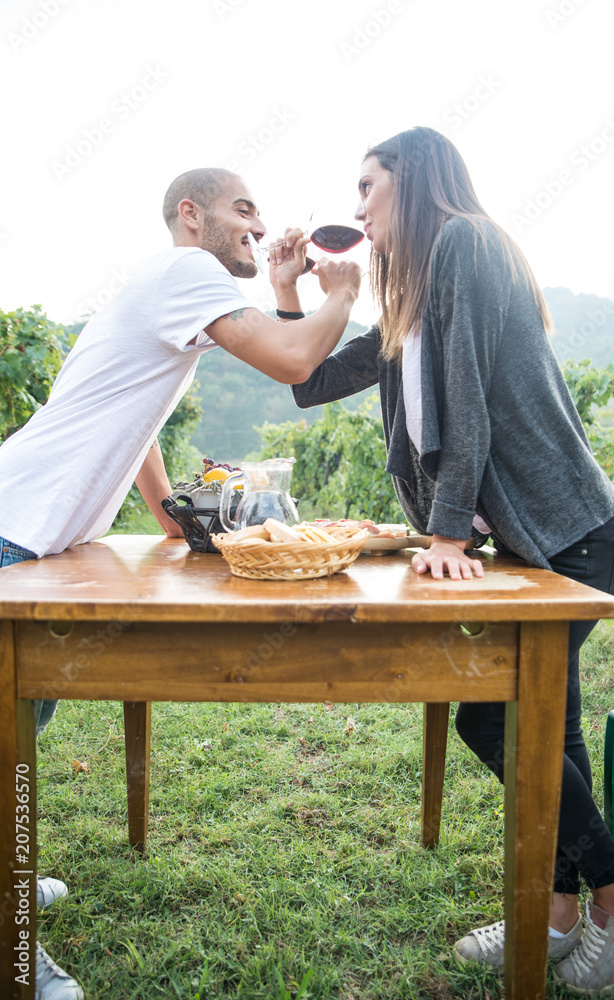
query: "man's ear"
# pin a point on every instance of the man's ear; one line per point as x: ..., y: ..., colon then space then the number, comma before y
x: 189, y: 213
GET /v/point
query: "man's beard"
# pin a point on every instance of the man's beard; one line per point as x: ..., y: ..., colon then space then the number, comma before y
x: 218, y: 241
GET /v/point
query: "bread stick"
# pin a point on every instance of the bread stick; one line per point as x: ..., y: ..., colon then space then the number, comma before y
x: 281, y: 532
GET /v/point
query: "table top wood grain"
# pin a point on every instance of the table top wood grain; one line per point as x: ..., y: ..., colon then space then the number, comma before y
x: 151, y: 578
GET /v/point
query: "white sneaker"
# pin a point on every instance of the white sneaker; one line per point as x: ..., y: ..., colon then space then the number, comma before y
x: 48, y: 890
x: 486, y: 945
x: 589, y: 969
x: 52, y: 983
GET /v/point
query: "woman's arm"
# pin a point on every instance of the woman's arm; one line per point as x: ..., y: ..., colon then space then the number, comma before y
x: 350, y: 370
x: 153, y: 485
x: 464, y: 319
x: 289, y: 352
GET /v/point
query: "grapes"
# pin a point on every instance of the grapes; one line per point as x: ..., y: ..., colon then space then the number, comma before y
x: 209, y: 464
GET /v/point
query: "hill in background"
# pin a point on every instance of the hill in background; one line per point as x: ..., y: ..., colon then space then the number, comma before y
x: 236, y: 398
x: 584, y: 326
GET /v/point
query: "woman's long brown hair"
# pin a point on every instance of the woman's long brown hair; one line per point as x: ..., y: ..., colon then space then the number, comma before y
x: 431, y: 185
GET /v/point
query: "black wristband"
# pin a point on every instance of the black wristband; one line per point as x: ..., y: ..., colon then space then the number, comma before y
x: 286, y: 315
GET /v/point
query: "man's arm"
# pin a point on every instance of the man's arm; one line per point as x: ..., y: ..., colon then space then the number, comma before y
x: 290, y: 352
x: 153, y: 485
x: 350, y: 370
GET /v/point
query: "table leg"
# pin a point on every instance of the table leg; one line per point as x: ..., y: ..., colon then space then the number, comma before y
x: 434, y: 743
x: 534, y: 742
x: 17, y: 874
x: 137, y: 728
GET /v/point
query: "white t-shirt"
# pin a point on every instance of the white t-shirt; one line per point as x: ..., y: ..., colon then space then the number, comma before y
x: 64, y: 476
x: 412, y: 398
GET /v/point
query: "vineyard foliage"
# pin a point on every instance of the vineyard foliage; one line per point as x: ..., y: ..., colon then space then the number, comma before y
x: 340, y: 456
x: 340, y: 463
x: 591, y: 390
x: 32, y: 349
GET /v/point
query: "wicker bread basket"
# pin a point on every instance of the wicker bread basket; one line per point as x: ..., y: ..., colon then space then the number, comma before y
x: 262, y: 560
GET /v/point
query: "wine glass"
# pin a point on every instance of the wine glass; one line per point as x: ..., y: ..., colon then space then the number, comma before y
x: 332, y: 238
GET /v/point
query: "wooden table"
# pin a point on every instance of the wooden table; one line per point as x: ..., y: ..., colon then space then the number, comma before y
x: 129, y: 619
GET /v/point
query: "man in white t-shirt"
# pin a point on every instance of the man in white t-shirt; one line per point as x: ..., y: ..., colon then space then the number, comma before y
x: 129, y: 368
x: 135, y: 359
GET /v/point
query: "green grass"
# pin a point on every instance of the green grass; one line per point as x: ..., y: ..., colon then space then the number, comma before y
x: 136, y: 519
x: 283, y: 858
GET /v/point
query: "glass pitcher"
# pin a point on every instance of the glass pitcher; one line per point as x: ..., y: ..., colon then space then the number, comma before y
x: 266, y: 493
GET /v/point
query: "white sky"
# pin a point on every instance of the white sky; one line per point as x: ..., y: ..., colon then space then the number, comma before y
x: 533, y: 79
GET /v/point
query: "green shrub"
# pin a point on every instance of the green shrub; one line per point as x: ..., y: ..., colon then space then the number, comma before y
x: 32, y: 349
x: 340, y: 463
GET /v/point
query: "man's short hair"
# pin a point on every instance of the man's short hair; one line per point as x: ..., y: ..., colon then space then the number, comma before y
x: 204, y: 186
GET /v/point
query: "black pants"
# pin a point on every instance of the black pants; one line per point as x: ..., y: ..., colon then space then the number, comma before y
x: 585, y: 845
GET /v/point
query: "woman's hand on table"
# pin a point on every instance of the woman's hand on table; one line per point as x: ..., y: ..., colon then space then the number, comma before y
x: 447, y: 554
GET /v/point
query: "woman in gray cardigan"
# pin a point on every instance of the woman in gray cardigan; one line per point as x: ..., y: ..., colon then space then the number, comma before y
x: 484, y: 440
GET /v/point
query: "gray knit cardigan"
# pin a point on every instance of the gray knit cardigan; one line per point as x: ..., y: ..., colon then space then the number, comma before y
x: 501, y: 436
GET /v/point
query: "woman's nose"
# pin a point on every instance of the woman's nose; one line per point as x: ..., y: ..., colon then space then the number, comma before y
x: 359, y: 214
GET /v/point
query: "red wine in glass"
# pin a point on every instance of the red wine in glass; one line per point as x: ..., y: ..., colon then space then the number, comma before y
x: 336, y: 239
x: 332, y: 238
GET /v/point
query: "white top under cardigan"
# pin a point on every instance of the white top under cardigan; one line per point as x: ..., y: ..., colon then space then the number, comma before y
x: 412, y: 398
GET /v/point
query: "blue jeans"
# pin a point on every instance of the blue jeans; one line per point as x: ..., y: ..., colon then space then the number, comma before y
x: 44, y: 710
